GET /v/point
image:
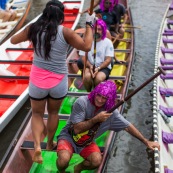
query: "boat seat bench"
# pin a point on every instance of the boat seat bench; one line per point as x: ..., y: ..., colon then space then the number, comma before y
x: 165, y: 61
x: 169, y: 67
x: 16, y: 62
x: 167, y: 33
x: 29, y: 145
x: 167, y: 76
x: 6, y: 96
x: 78, y: 94
x: 167, y: 40
x: 166, y: 91
x: 123, y: 78
x: 74, y: 61
x: 20, y: 49
x: 61, y: 116
x: 123, y: 50
x: 166, y: 50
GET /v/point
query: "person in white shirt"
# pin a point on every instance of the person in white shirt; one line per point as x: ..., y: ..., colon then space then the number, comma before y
x: 98, y: 65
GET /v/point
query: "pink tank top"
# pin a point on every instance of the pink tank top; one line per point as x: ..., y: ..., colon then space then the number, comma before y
x: 44, y: 78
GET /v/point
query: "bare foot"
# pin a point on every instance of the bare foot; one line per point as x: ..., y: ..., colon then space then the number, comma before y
x: 37, y: 156
x: 51, y: 146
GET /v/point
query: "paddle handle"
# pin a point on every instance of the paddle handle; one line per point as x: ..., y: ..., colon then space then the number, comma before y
x: 91, y: 7
x: 95, y: 51
x: 135, y: 27
x: 138, y: 89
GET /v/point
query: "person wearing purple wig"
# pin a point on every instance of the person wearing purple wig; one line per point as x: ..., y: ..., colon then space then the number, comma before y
x: 89, y: 120
x: 120, y: 11
x: 106, y: 13
x: 121, y: 14
x: 101, y: 60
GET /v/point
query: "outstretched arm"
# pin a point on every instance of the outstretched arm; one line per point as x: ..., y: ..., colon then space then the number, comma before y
x: 135, y: 132
x: 21, y: 36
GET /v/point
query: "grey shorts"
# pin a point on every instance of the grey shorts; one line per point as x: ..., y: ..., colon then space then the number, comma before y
x: 57, y: 92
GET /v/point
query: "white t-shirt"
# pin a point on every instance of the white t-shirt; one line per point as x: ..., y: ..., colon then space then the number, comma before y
x: 103, y: 48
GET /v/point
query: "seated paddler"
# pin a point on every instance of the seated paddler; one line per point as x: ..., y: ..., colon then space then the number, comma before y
x: 89, y: 119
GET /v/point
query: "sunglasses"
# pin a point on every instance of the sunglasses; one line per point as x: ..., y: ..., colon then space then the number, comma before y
x: 108, y: 3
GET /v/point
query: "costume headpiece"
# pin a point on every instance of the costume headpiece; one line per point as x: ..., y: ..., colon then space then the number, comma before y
x: 107, y: 89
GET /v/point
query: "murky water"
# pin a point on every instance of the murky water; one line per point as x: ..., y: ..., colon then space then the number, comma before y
x: 129, y: 155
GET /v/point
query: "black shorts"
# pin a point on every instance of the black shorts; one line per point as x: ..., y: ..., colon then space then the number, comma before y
x: 106, y: 71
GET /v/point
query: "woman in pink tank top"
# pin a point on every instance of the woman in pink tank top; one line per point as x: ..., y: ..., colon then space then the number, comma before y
x: 48, y: 84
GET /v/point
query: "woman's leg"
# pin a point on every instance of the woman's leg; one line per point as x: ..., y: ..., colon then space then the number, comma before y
x: 37, y: 126
x: 53, y: 119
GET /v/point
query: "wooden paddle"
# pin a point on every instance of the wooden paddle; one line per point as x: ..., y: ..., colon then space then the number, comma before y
x: 129, y: 26
x: 136, y: 90
x: 91, y: 7
x: 95, y: 38
x: 134, y: 27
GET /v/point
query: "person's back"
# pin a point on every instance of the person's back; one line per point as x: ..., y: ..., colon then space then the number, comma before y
x: 120, y: 11
x: 56, y: 63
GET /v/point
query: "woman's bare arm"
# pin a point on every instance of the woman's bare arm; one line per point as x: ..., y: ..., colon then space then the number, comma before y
x: 76, y: 41
x: 20, y: 37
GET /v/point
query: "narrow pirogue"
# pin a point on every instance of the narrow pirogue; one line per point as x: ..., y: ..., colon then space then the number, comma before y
x: 22, y: 153
x: 163, y: 96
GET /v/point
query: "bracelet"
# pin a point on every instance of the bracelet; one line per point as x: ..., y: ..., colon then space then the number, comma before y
x: 90, y: 24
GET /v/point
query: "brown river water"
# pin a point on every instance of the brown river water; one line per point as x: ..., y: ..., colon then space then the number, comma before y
x: 128, y: 154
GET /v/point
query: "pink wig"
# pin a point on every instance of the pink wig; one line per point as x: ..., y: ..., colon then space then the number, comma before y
x: 102, y: 7
x: 101, y: 23
x: 107, y: 89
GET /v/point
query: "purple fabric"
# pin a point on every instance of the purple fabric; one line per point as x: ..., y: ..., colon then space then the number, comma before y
x: 168, y: 30
x: 165, y: 50
x: 170, y: 22
x: 169, y: 67
x: 103, y: 26
x: 167, y: 40
x: 164, y: 61
x: 168, y: 170
x: 171, y: 7
x: 167, y: 137
x: 107, y: 89
x: 166, y: 91
x: 167, y: 76
x: 167, y: 33
x: 166, y: 111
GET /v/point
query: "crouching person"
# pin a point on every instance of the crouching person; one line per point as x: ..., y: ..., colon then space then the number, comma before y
x: 88, y: 120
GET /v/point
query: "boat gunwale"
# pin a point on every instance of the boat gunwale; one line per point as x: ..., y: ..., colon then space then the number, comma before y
x: 155, y: 91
